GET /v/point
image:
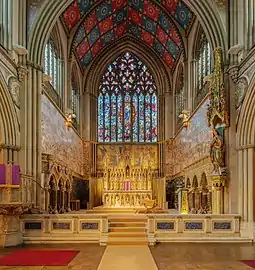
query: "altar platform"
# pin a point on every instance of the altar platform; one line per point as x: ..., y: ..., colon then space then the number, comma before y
x: 127, y: 227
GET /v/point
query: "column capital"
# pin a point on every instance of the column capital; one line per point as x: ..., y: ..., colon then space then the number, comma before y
x: 219, y: 181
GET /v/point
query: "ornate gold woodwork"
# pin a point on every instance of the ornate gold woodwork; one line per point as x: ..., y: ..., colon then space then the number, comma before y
x: 127, y: 187
x: 219, y: 181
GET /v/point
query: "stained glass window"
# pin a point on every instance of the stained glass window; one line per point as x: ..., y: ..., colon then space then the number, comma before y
x: 75, y: 102
x: 179, y: 96
x: 204, y: 66
x: 51, y: 64
x: 127, y: 102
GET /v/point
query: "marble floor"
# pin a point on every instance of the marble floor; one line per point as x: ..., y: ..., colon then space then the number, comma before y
x: 177, y: 256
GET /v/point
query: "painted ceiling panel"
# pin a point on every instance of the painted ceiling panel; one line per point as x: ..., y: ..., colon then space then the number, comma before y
x: 112, y: 19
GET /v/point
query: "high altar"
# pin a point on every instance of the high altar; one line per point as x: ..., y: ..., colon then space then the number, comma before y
x: 129, y: 173
x: 127, y: 187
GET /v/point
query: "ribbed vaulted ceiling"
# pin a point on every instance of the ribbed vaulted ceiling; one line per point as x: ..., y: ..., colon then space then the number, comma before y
x: 160, y: 24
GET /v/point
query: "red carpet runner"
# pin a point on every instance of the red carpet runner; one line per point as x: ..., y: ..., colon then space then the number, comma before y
x: 250, y: 263
x: 39, y: 258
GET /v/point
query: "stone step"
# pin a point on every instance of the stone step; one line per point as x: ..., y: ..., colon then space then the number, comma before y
x: 133, y: 235
x: 127, y: 224
x: 127, y: 220
x: 125, y: 243
x: 127, y: 229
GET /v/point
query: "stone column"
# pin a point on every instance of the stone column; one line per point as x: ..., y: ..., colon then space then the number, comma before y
x: 86, y: 116
x: 209, y: 200
x: 168, y: 115
x: 184, y: 201
x: 192, y: 93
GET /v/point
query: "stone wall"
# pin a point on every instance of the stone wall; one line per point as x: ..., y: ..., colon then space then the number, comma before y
x: 61, y: 142
x: 191, y: 145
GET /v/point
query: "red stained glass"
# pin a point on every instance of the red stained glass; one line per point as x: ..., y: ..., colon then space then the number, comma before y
x: 123, y: 114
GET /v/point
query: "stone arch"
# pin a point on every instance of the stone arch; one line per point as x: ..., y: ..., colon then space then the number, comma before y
x: 142, y: 51
x: 188, y: 184
x: 203, y: 182
x: 195, y: 182
x: 211, y: 22
x: 246, y: 157
x: 206, y: 11
x: 52, y: 181
x: 9, y: 128
x: 245, y: 125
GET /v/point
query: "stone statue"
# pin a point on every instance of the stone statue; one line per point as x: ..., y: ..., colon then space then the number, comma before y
x: 217, y: 151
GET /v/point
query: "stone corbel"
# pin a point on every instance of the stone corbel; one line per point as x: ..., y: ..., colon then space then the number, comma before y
x: 22, y: 72
x: 233, y: 71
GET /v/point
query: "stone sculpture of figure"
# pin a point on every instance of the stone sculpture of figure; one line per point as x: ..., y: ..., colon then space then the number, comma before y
x: 107, y: 200
x: 217, y: 151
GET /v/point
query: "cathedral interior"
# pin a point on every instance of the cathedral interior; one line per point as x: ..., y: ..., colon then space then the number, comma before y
x: 127, y: 133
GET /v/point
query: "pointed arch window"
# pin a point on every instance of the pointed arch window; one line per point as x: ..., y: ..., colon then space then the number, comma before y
x: 52, y: 64
x: 204, y: 66
x: 127, y: 102
x: 179, y: 96
x: 75, y: 101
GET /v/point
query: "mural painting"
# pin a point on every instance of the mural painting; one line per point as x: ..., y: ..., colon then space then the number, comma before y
x: 191, y: 145
x: 59, y: 141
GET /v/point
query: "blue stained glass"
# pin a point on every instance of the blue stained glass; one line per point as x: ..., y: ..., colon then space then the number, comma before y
x: 119, y: 118
x: 101, y: 118
x: 148, y: 118
x: 135, y: 118
x: 154, y: 117
x: 113, y: 118
x: 141, y: 118
x: 122, y: 114
x: 127, y: 118
x: 107, y: 118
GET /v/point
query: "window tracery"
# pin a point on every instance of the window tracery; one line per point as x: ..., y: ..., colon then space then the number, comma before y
x: 204, y: 66
x: 52, y: 64
x: 127, y: 102
x: 75, y: 101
